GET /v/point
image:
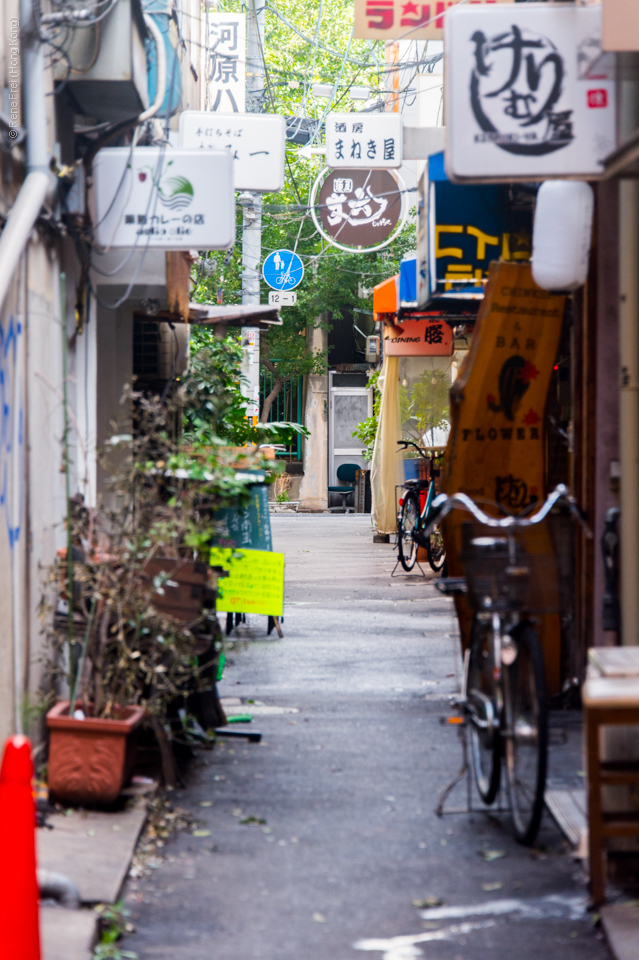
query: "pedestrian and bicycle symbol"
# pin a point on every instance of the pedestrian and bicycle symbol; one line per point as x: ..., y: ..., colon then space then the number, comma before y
x: 283, y: 270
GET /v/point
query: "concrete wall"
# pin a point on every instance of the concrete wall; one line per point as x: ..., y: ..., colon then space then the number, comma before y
x: 313, y: 494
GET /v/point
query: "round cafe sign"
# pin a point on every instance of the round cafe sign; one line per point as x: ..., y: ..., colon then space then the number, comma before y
x: 359, y: 210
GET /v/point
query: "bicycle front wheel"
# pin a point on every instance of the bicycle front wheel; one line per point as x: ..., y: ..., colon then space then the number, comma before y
x: 435, y: 550
x: 482, y: 697
x: 407, y: 521
x: 526, y: 735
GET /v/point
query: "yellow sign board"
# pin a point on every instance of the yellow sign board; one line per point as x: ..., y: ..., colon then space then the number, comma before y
x: 255, y: 583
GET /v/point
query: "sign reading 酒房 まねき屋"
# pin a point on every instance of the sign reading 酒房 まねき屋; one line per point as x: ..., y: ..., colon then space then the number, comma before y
x: 158, y: 197
x: 520, y: 101
x: 364, y: 140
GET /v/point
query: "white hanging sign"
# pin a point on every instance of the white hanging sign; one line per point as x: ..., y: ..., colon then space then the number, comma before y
x: 154, y: 197
x: 257, y: 143
x: 518, y: 99
x: 364, y: 140
x: 225, y: 62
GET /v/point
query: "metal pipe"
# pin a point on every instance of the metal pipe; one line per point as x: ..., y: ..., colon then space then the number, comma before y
x: 26, y: 209
x: 160, y: 87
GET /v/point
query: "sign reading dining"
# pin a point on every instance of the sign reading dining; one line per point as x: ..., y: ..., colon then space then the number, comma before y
x: 393, y: 19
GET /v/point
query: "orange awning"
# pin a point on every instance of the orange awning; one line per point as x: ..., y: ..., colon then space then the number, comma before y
x: 386, y: 295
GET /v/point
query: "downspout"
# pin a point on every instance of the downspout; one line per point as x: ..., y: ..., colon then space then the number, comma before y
x: 629, y: 389
x: 27, y: 206
x: 13, y: 242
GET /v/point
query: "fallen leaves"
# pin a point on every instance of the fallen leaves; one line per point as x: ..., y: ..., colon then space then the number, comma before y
x: 252, y: 821
x: 492, y: 854
x: 428, y: 902
x: 490, y: 887
x: 201, y: 833
x: 319, y: 918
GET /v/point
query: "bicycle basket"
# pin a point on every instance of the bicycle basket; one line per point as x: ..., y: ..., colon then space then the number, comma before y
x: 532, y: 579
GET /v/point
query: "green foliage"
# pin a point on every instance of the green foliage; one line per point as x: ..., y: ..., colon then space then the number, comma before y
x: 366, y: 431
x: 333, y: 280
x: 214, y: 408
x: 424, y: 407
x: 114, y: 924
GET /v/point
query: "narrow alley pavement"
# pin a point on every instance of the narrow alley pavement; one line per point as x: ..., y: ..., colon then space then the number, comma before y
x: 342, y: 847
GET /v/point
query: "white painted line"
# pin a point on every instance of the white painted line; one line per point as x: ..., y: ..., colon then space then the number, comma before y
x: 405, y: 948
x: 555, y: 905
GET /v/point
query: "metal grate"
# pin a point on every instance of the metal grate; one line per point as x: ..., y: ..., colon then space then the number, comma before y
x: 146, y: 350
x: 287, y: 406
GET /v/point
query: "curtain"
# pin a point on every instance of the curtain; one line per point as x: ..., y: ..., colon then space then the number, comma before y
x: 387, y: 466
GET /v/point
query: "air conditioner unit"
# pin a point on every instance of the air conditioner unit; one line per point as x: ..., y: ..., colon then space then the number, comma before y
x: 106, y: 67
x: 372, y: 349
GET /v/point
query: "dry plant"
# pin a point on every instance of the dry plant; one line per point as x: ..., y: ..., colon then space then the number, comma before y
x: 121, y: 646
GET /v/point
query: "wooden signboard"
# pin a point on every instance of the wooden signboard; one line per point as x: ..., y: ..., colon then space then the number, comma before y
x: 496, y: 448
x: 426, y: 337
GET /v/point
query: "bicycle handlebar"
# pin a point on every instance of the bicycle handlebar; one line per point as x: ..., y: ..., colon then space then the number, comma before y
x: 443, y: 504
x: 422, y: 451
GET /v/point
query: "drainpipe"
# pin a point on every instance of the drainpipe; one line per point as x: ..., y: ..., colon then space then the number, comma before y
x: 27, y: 206
x: 629, y: 388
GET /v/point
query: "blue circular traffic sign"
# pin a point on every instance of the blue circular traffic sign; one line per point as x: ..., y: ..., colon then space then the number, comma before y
x: 283, y: 270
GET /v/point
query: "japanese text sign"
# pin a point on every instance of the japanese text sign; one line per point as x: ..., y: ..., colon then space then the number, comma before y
x: 364, y: 140
x: 394, y: 19
x: 255, y: 583
x: 518, y: 99
x: 469, y: 226
x: 225, y: 63
x: 257, y: 143
x: 424, y: 337
x: 360, y: 208
x: 154, y: 197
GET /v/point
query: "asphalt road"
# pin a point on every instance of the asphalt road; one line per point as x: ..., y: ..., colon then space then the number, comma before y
x: 346, y: 788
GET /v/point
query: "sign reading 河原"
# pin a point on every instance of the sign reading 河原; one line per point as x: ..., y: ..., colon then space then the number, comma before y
x: 364, y: 140
x: 424, y: 337
x: 358, y: 209
x: 255, y: 583
x: 519, y: 101
x: 394, y: 19
x: 224, y: 60
x: 154, y: 197
x: 257, y: 143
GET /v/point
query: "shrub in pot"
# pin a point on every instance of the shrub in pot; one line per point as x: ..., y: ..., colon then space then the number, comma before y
x: 135, y: 620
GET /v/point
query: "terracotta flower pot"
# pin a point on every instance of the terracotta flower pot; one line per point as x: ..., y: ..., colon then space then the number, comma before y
x: 90, y: 760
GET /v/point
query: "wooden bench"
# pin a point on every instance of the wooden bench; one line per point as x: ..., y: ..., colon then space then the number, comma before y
x: 610, y: 697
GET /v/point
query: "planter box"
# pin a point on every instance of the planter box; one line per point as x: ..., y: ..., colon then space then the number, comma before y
x: 90, y: 760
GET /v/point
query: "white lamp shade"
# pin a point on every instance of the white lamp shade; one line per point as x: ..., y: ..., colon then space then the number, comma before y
x: 561, y: 234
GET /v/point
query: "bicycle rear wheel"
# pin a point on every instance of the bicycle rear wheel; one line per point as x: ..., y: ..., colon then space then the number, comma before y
x: 407, y: 521
x: 526, y: 737
x: 435, y: 550
x: 483, y: 709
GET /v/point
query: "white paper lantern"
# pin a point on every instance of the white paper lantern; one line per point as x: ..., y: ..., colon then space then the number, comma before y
x: 561, y: 234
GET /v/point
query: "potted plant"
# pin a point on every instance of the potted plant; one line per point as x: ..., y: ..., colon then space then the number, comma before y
x: 135, y: 621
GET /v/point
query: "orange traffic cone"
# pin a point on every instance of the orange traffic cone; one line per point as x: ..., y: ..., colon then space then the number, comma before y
x: 19, y: 918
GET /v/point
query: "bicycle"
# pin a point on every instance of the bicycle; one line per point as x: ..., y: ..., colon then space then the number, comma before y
x: 414, y: 506
x: 503, y: 694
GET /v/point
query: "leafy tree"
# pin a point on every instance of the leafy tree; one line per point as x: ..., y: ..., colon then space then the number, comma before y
x: 424, y: 406
x: 333, y: 280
